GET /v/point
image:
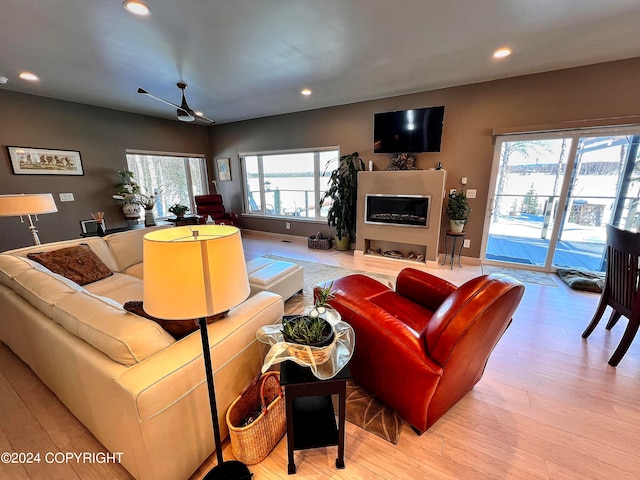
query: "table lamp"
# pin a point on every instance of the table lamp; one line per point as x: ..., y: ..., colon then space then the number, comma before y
x: 195, y: 272
x: 17, y: 205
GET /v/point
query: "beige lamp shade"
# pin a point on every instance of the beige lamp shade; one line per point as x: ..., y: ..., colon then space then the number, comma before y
x: 193, y: 271
x: 26, y: 204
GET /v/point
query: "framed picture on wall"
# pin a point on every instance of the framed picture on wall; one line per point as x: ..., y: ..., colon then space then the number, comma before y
x: 224, y: 170
x: 40, y: 161
x: 90, y: 227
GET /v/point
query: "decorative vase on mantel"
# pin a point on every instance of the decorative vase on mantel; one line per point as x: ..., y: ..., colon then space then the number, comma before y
x: 149, y: 218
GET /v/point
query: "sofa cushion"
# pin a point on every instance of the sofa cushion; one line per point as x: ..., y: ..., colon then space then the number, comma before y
x: 118, y: 287
x: 177, y: 328
x: 77, y: 263
x: 123, y: 336
x: 126, y: 247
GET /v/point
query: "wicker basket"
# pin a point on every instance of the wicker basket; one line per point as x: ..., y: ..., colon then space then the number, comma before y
x: 262, y: 404
x: 305, y: 353
x: 318, y: 242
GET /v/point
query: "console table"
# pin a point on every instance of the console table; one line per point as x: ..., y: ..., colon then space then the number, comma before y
x: 311, y: 422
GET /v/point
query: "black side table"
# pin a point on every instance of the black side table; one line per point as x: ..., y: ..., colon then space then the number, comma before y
x: 311, y: 422
x: 455, y: 236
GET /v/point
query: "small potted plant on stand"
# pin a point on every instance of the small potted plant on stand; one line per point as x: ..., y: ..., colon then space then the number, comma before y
x: 458, y: 211
x: 343, y: 190
x: 178, y: 210
x: 312, y: 329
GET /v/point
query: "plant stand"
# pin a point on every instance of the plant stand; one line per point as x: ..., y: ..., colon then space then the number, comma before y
x: 311, y: 422
x: 455, y: 236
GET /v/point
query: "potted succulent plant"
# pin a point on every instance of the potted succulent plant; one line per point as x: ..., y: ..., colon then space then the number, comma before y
x: 343, y: 190
x: 457, y: 210
x: 178, y: 209
x: 312, y: 329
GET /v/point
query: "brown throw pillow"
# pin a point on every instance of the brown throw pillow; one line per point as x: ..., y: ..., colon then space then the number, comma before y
x: 78, y: 263
x: 177, y: 328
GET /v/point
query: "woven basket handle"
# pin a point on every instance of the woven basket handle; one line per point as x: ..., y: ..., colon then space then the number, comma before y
x: 273, y: 376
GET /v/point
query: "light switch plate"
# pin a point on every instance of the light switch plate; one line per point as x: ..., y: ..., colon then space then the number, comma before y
x: 471, y: 193
x: 66, y: 197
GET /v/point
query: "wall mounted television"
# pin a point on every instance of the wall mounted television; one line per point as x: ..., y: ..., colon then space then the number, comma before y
x: 408, y: 131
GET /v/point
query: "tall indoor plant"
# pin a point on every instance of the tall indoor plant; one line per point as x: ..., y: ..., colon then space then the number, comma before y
x: 458, y: 210
x: 343, y: 190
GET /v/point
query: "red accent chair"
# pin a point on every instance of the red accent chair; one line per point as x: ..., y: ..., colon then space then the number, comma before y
x: 212, y: 205
x: 422, y: 347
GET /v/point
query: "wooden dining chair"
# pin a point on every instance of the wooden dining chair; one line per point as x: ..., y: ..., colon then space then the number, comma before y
x: 621, y: 287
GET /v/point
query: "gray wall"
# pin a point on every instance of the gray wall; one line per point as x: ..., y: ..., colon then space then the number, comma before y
x: 101, y: 135
x: 472, y: 112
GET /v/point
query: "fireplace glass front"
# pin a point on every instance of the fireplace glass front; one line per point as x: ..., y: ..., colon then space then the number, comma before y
x: 404, y: 210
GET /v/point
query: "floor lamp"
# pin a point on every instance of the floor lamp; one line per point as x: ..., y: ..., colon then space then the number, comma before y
x: 203, y: 266
x: 27, y: 204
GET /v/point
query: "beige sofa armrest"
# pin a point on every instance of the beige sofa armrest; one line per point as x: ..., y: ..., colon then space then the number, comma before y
x: 164, y: 401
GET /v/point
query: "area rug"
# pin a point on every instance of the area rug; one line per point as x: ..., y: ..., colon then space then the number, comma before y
x: 315, y: 273
x: 370, y: 414
x: 524, y: 276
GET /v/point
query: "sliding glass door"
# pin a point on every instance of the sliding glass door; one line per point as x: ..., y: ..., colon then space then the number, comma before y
x: 554, y: 193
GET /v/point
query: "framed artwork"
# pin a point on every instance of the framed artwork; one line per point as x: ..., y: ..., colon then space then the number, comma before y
x: 224, y: 170
x: 40, y: 161
x: 91, y: 226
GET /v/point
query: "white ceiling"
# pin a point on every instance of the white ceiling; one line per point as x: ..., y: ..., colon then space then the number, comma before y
x: 250, y: 58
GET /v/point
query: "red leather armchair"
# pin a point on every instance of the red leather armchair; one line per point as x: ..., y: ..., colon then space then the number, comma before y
x: 422, y: 347
x: 212, y: 205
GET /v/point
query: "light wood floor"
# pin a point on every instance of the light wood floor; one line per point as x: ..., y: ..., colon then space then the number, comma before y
x: 548, y: 406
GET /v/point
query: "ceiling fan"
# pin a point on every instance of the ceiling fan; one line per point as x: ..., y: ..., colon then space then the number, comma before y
x: 185, y: 113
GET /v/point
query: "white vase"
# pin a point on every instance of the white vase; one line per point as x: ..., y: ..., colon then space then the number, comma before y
x: 131, y: 210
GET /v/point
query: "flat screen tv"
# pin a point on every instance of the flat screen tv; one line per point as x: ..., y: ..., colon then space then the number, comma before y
x: 408, y: 131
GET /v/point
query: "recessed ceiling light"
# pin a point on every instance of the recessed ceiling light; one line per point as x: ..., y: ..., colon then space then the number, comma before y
x: 3, y: 80
x: 502, y: 52
x: 306, y: 92
x: 136, y: 7
x: 28, y: 76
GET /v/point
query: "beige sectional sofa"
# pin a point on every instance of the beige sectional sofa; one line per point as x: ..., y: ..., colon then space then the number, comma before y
x: 136, y: 388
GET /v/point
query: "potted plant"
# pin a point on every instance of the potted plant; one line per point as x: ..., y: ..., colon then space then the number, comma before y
x: 178, y: 209
x: 343, y: 191
x: 127, y: 193
x: 313, y: 328
x: 310, y: 330
x: 458, y: 211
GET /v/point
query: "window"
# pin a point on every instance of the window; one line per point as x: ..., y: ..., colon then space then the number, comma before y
x: 177, y: 177
x: 555, y: 192
x: 288, y: 184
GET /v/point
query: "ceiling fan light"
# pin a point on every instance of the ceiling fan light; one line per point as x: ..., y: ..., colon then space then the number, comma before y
x: 136, y: 7
x: 184, y: 116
